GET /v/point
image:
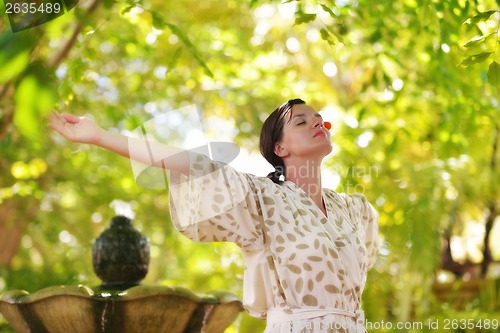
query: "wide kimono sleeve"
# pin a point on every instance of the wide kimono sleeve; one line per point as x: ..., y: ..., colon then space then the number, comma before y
x: 215, y: 203
x: 366, y: 218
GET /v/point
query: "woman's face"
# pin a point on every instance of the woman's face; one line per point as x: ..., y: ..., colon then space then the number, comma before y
x: 304, y: 135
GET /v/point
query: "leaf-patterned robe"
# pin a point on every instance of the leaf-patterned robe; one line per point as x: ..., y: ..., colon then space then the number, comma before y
x: 304, y: 271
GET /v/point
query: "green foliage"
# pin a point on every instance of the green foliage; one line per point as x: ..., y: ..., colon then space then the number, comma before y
x: 42, y: 97
x: 413, y: 97
x: 494, y: 76
x: 15, y: 55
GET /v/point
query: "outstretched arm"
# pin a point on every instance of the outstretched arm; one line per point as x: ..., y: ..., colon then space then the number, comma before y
x: 83, y: 130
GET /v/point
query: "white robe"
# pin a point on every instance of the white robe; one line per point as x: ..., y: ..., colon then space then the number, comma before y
x: 304, y: 271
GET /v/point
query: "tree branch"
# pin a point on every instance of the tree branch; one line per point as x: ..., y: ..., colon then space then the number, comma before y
x: 492, y: 209
x: 58, y: 58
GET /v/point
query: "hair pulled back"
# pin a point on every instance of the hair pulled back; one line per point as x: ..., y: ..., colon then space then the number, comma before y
x: 272, y: 132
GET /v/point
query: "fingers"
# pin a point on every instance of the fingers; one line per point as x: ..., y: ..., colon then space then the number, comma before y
x: 70, y: 118
x: 55, y: 120
x: 59, y: 121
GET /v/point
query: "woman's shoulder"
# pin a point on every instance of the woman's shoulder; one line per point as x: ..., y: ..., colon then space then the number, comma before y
x: 262, y: 184
x: 345, y: 198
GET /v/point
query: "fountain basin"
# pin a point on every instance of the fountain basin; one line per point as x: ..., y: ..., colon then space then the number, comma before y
x: 139, y: 309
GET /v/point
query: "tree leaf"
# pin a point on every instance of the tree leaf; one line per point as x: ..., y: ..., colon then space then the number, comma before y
x: 336, y: 34
x: 480, y: 17
x: 15, y: 49
x: 158, y: 22
x: 29, y: 111
x: 494, y: 75
x: 304, y: 18
x: 127, y: 9
x: 478, y: 40
x: 173, y: 59
x: 325, y: 35
x: 476, y: 58
x: 328, y: 10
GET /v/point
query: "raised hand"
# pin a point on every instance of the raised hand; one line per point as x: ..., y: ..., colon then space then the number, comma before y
x: 84, y: 130
x: 76, y: 129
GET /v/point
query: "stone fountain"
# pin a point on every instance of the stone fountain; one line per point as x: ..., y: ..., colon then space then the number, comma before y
x: 121, y: 304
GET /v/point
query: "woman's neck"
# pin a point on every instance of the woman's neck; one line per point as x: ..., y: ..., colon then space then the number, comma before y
x: 307, y: 176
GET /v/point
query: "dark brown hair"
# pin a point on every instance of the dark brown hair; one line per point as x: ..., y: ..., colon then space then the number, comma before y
x: 272, y: 132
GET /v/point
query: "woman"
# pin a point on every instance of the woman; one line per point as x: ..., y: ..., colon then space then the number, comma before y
x: 306, y: 249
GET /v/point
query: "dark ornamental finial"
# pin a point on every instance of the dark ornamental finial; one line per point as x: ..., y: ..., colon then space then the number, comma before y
x: 120, y: 255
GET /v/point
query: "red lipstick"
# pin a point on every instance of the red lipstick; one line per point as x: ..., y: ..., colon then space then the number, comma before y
x: 319, y: 133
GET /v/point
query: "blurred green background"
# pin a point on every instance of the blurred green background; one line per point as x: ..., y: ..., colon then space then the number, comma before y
x: 412, y: 89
